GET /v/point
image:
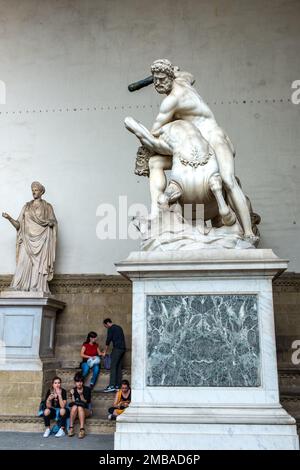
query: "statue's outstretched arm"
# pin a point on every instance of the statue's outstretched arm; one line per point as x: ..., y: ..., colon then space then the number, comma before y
x: 14, y: 223
x: 155, y: 144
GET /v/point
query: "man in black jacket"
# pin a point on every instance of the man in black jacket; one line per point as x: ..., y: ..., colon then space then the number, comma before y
x: 116, y: 336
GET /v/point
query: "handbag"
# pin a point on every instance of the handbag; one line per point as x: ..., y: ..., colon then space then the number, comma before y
x: 107, y: 362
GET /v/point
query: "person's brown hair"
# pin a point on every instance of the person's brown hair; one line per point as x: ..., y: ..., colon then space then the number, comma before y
x: 91, y: 334
x: 78, y: 377
x: 55, y: 378
x: 125, y: 382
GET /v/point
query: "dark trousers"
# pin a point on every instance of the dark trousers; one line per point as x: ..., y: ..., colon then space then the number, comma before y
x: 111, y: 411
x: 61, y: 422
x: 116, y: 367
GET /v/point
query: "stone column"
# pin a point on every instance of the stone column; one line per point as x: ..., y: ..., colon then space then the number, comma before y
x: 27, y: 335
x: 204, y: 371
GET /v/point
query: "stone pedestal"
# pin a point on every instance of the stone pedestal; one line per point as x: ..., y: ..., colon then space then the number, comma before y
x: 204, y: 371
x: 27, y: 334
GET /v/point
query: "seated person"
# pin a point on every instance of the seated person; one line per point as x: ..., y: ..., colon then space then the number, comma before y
x: 122, y: 400
x: 90, y: 354
x: 80, y: 405
x: 55, y: 406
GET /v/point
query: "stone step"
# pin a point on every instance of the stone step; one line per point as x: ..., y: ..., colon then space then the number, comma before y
x: 36, y: 424
x: 289, y: 386
x: 97, y: 424
x: 289, y: 380
x: 290, y: 391
x: 92, y: 425
x: 291, y: 403
x: 101, y: 402
x: 67, y: 376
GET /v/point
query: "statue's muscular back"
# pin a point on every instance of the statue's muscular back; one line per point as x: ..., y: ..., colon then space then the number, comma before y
x: 190, y: 105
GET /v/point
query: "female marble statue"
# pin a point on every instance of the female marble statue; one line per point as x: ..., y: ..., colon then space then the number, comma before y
x: 36, y: 242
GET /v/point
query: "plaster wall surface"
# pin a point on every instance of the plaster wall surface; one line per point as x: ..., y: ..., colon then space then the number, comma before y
x: 66, y: 66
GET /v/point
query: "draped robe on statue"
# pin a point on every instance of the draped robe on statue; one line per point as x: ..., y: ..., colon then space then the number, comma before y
x: 36, y: 244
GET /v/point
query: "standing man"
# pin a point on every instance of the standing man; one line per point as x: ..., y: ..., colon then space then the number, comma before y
x: 116, y: 336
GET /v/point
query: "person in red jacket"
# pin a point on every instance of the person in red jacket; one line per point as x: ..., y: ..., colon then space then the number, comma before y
x: 90, y: 354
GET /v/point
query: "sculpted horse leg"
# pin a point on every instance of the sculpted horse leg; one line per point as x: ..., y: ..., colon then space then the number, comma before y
x: 157, y: 180
x: 215, y: 184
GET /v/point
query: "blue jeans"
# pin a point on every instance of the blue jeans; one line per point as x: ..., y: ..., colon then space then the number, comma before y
x: 86, y: 369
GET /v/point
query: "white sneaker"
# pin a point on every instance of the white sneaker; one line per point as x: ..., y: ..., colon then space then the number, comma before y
x: 109, y: 389
x: 60, y: 433
x: 47, y: 433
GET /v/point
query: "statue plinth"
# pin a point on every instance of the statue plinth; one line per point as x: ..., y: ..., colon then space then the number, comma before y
x: 204, y: 370
x: 27, y: 329
x: 17, y: 294
x: 27, y: 332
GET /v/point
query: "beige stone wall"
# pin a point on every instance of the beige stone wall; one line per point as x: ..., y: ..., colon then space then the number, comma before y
x: 20, y: 392
x: 90, y: 299
x: 286, y: 295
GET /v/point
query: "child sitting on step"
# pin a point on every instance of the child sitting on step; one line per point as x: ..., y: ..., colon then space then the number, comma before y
x: 122, y: 400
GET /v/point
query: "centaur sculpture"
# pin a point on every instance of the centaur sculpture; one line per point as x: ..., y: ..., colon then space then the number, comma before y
x: 187, y: 140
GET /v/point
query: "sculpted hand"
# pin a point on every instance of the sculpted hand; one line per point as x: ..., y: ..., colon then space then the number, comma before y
x: 51, y: 223
x: 5, y: 215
